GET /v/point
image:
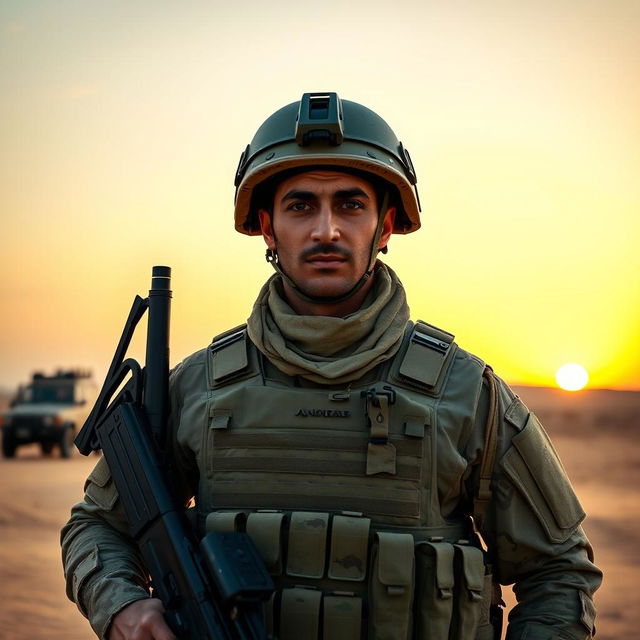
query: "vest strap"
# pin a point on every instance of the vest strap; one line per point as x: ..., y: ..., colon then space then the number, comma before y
x: 228, y: 357
x: 427, y: 356
x: 381, y: 454
x: 487, y: 463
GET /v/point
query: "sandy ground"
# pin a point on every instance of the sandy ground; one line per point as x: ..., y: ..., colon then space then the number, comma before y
x: 36, y: 493
x: 35, y: 496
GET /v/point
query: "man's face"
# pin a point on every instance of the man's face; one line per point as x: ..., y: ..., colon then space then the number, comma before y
x: 322, y: 226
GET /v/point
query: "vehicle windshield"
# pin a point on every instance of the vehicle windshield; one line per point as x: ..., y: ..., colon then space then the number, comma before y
x: 41, y: 393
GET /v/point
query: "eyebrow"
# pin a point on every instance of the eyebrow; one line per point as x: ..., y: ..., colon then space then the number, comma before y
x: 351, y: 193
x: 343, y: 194
x: 294, y: 194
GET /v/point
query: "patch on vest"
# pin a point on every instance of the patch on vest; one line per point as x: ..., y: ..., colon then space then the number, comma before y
x: 323, y: 413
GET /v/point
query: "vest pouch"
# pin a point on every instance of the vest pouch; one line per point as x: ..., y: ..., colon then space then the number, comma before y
x: 300, y: 614
x: 341, y: 617
x: 225, y: 521
x: 434, y: 590
x: 265, y: 529
x: 391, y: 587
x: 349, y: 548
x: 468, y: 594
x: 306, y: 550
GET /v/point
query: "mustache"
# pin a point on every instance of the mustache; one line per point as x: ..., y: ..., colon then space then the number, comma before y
x: 325, y: 248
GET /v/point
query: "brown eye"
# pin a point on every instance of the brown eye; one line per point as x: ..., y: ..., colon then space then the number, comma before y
x: 298, y: 206
x: 353, y: 204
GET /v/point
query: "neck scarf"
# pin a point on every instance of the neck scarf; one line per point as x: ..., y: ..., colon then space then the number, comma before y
x: 325, y: 349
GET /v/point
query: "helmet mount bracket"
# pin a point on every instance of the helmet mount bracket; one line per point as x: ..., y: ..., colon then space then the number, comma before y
x: 319, y: 119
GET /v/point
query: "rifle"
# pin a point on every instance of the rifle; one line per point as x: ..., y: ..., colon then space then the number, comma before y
x: 212, y: 590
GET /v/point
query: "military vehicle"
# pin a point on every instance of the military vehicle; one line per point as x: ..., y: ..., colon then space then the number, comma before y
x: 49, y: 410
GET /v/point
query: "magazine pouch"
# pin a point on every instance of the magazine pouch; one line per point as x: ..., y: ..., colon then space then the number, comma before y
x: 434, y: 590
x: 469, y: 577
x: 391, y: 586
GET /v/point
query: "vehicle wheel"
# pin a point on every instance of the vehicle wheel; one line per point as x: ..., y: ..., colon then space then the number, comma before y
x: 8, y: 447
x: 46, y: 448
x: 66, y: 442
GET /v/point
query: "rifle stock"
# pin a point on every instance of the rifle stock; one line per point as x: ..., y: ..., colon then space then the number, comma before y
x: 202, y: 599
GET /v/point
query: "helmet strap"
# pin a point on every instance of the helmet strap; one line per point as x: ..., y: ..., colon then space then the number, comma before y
x: 271, y: 257
x: 384, y: 205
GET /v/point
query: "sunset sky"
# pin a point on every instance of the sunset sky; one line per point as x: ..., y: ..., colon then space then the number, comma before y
x: 121, y: 125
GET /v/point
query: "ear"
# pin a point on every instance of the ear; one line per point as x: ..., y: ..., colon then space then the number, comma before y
x: 267, y: 228
x: 387, y: 227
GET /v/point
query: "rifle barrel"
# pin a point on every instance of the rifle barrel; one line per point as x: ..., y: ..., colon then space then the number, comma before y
x: 156, y: 377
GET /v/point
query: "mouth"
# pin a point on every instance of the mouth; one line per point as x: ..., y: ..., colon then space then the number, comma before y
x: 326, y: 260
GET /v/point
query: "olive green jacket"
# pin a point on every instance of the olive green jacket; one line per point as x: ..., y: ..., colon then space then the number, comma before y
x: 531, y: 525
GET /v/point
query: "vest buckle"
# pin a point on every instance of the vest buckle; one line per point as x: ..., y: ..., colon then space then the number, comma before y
x: 381, y: 454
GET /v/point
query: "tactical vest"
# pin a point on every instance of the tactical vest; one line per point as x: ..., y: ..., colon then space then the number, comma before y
x: 338, y: 487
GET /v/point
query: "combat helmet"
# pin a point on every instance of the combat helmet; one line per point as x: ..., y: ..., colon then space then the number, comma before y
x: 323, y: 130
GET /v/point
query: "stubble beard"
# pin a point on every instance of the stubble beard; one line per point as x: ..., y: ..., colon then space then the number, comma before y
x: 326, y: 283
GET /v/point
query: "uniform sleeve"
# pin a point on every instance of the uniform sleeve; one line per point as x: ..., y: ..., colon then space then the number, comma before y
x: 533, y: 533
x: 103, y: 569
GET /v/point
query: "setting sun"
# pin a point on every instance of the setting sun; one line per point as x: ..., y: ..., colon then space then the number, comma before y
x: 572, y: 377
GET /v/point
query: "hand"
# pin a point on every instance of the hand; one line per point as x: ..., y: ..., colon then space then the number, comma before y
x: 141, y: 620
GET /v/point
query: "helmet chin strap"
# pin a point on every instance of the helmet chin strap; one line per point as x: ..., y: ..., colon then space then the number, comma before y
x: 272, y: 259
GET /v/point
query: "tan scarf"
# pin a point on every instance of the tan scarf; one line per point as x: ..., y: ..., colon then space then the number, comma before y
x: 325, y: 349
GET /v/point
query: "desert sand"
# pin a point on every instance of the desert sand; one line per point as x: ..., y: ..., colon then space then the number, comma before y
x: 36, y: 494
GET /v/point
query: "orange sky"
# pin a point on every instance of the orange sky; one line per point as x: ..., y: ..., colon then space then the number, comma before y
x: 122, y: 123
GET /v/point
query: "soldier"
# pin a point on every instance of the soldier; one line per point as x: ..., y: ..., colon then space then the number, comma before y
x: 389, y: 479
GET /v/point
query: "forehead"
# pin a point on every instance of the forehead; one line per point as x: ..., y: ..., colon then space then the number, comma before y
x: 324, y: 181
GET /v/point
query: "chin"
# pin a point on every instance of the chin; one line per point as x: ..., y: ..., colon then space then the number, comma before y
x: 327, y: 290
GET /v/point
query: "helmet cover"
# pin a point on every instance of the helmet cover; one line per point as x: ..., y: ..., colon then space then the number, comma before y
x: 321, y: 130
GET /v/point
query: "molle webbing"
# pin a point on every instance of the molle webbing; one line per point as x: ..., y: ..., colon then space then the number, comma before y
x: 392, y: 503
x: 320, y: 464
x: 336, y: 465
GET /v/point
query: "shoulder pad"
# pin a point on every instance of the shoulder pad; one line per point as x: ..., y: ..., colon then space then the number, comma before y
x: 426, y: 359
x: 228, y: 357
x: 517, y: 414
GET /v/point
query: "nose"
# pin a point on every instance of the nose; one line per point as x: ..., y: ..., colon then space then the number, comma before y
x: 325, y: 228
